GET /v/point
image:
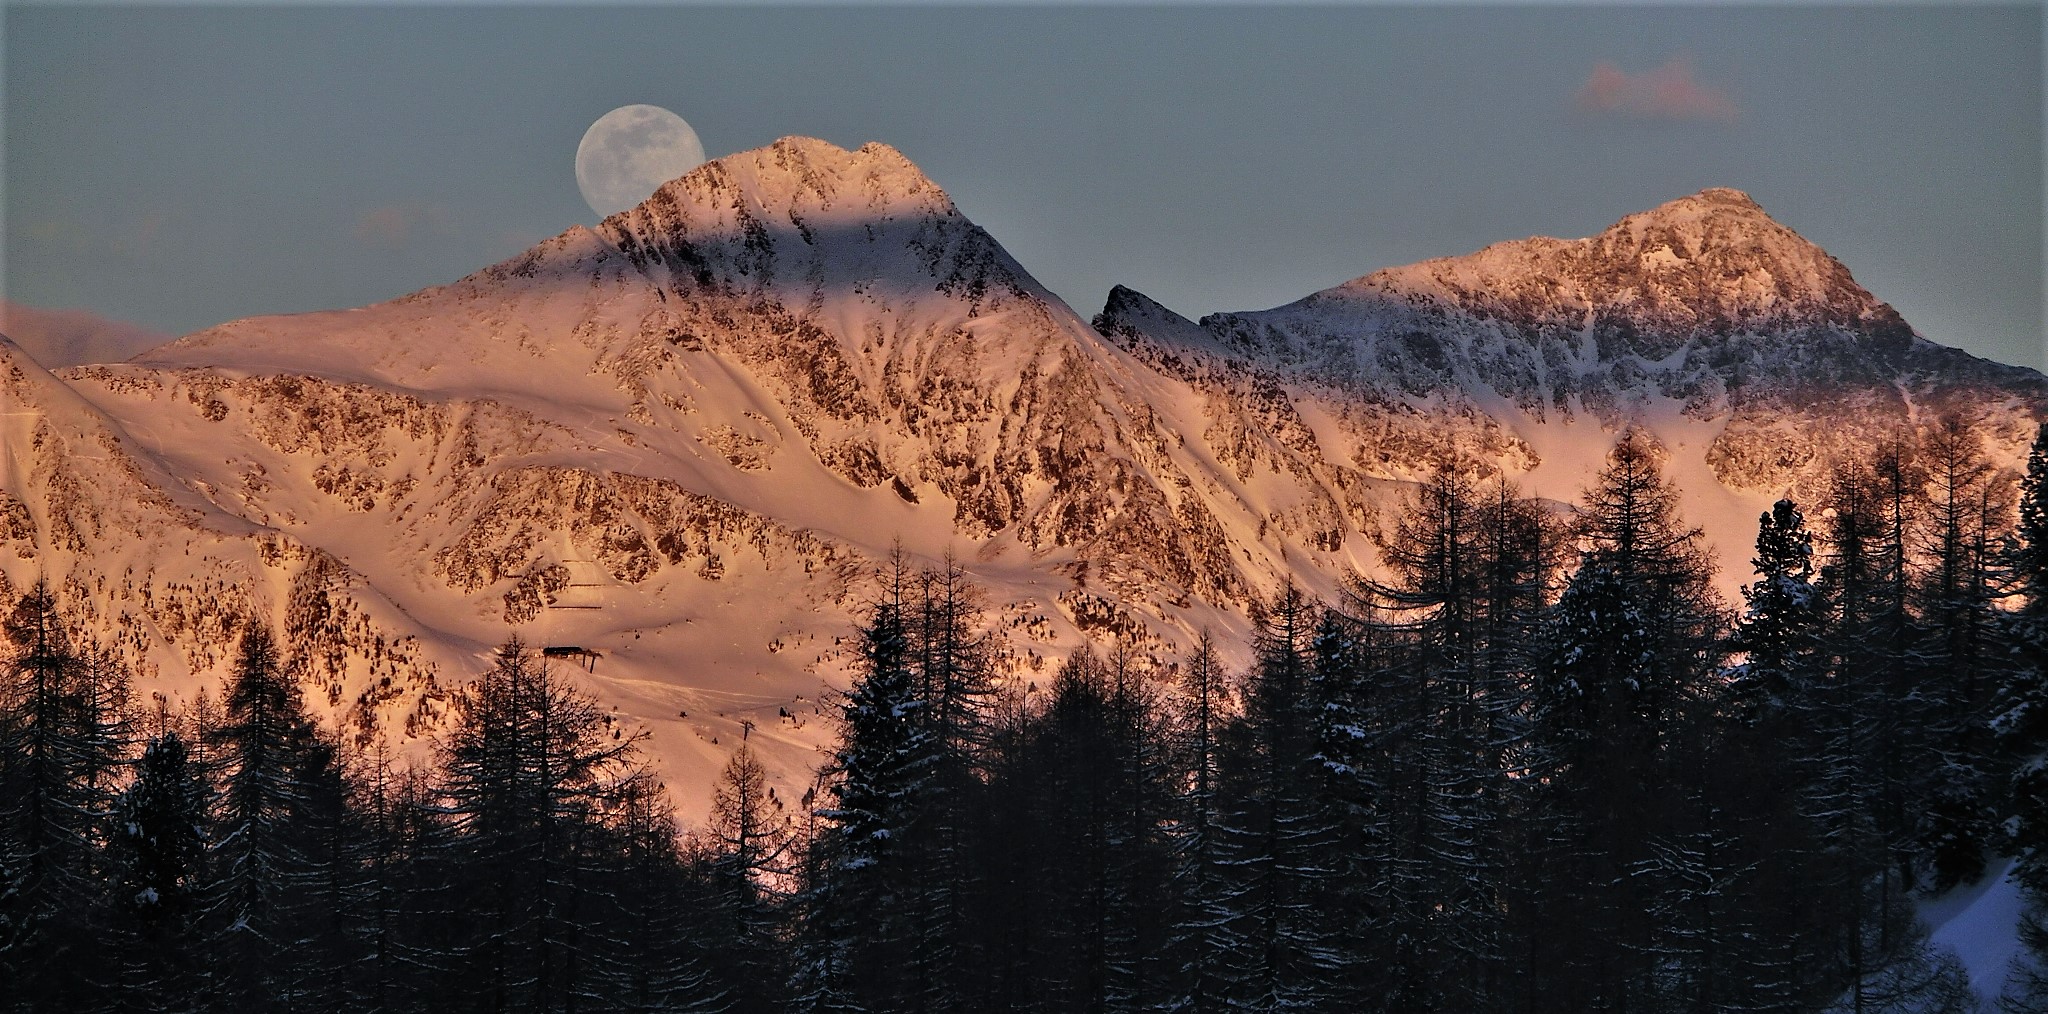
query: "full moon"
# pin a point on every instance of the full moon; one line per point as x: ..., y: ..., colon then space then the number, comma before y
x: 629, y: 152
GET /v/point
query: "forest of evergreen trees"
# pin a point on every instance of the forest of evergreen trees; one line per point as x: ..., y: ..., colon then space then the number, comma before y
x: 1542, y: 767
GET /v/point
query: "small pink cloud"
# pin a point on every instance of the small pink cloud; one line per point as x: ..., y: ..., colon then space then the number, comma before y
x: 394, y: 226
x: 1667, y: 93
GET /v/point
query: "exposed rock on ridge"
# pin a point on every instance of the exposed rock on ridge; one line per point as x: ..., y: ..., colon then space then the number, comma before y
x: 684, y: 438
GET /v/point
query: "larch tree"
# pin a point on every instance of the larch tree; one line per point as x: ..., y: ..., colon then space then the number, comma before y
x: 865, y: 911
x: 276, y: 787
x: 1631, y: 654
x: 1961, y: 654
x: 1197, y: 945
x: 158, y: 865
x: 749, y: 837
x: 2022, y: 723
x: 1277, y: 830
x: 531, y: 769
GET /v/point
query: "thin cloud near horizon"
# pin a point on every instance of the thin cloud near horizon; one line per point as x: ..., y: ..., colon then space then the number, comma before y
x: 1669, y: 93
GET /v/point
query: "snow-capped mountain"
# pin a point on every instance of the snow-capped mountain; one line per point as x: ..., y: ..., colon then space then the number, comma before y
x: 686, y: 438
x: 1750, y: 353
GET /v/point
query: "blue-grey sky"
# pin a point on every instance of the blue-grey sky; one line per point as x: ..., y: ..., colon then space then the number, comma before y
x: 182, y: 166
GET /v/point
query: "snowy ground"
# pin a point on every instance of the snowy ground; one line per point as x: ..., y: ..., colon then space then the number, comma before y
x: 1980, y: 923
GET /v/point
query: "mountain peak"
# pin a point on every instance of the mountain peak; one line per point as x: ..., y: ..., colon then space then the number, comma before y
x: 801, y: 176
x: 1717, y: 217
x: 1712, y: 199
x: 1711, y: 261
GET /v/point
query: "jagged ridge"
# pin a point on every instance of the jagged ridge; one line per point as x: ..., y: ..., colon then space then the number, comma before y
x: 685, y: 436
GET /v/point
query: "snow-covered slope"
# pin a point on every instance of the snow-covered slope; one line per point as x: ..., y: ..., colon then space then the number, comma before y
x: 1980, y: 923
x: 686, y: 438
x: 145, y: 560
x: 1751, y: 355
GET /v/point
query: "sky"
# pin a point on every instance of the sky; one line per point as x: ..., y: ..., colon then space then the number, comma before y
x: 181, y: 166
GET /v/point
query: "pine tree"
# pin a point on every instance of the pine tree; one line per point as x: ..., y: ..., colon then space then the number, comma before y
x: 1277, y: 830
x: 1426, y: 690
x: 1765, y: 777
x: 418, y: 872
x: 1423, y: 712
x: 864, y: 916
x: 1140, y: 873
x: 951, y: 661
x: 158, y: 860
x: 1075, y: 806
x: 382, y: 891
x: 1779, y: 631
x: 1855, y: 716
x: 1590, y: 750
x: 63, y: 738
x: 1631, y: 651
x: 1961, y: 654
x: 2022, y: 721
x: 1197, y: 943
x: 1901, y: 744
x: 1052, y: 803
x: 532, y: 767
x: 749, y: 839
x: 278, y: 785
x: 2026, y: 987
x: 655, y: 959
x: 2022, y: 713
x: 1362, y: 698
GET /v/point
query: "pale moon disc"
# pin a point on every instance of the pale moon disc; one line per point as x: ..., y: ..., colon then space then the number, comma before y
x: 631, y: 151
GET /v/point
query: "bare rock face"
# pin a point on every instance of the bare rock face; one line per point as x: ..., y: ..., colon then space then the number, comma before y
x: 684, y: 439
x: 150, y: 567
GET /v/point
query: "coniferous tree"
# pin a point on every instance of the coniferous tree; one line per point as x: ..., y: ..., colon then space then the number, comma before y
x: 1630, y: 655
x: 330, y: 909
x: 2026, y: 986
x: 1197, y: 942
x: 660, y: 929
x: 1855, y: 719
x: 1589, y: 750
x: 1053, y: 803
x: 1419, y: 707
x: 2021, y: 723
x: 158, y: 863
x: 385, y: 888
x: 2022, y: 713
x: 63, y: 738
x: 1141, y: 868
x: 1277, y: 830
x: 1961, y: 654
x: 1361, y: 702
x: 1078, y: 864
x: 421, y: 866
x: 1900, y: 743
x: 1434, y: 686
x: 1780, y: 628
x: 1443, y: 792
x: 749, y: 839
x: 863, y: 910
x: 951, y: 659
x: 1766, y: 778
x: 532, y: 767
x: 280, y: 790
